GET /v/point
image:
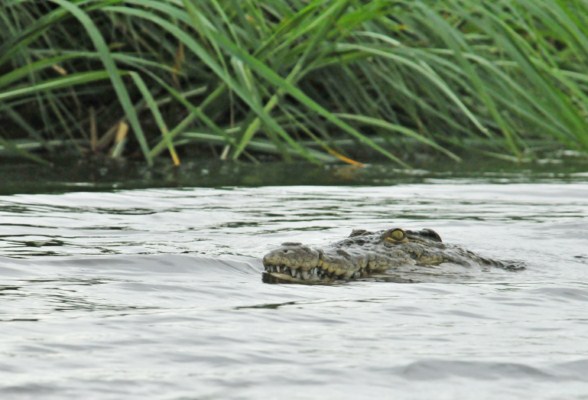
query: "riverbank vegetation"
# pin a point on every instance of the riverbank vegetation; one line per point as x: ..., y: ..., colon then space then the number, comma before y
x: 238, y: 79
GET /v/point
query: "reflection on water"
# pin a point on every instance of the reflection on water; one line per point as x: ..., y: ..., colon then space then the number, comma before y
x: 116, y: 175
x: 131, y: 293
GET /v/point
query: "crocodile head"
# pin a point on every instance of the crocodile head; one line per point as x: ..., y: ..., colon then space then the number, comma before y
x: 361, y: 254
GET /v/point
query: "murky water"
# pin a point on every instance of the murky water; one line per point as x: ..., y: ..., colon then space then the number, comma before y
x: 158, y: 294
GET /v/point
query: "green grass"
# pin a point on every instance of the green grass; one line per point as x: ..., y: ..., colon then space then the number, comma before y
x: 292, y: 78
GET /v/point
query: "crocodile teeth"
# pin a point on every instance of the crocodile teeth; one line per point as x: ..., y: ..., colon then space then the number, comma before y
x: 316, y: 273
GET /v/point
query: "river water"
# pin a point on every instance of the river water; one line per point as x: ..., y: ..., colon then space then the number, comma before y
x: 157, y: 293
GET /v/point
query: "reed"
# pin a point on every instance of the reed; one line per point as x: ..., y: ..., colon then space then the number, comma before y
x: 246, y: 77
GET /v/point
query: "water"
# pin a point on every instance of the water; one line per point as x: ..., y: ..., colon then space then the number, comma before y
x: 157, y: 293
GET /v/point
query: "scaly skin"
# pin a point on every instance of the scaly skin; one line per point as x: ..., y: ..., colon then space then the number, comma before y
x: 363, y: 254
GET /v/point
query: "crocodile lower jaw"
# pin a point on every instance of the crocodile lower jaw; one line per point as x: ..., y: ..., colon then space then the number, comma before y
x: 316, y: 275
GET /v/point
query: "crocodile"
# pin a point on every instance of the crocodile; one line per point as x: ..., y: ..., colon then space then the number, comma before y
x: 365, y: 254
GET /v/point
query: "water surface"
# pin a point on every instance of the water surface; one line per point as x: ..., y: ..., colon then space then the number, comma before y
x: 157, y: 293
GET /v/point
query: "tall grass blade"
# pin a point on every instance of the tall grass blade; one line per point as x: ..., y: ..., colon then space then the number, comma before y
x: 112, y: 70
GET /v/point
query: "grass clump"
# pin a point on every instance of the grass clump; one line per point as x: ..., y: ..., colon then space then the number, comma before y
x: 292, y: 77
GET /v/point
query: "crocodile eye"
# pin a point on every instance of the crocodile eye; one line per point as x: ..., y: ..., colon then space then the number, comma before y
x: 396, y: 235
